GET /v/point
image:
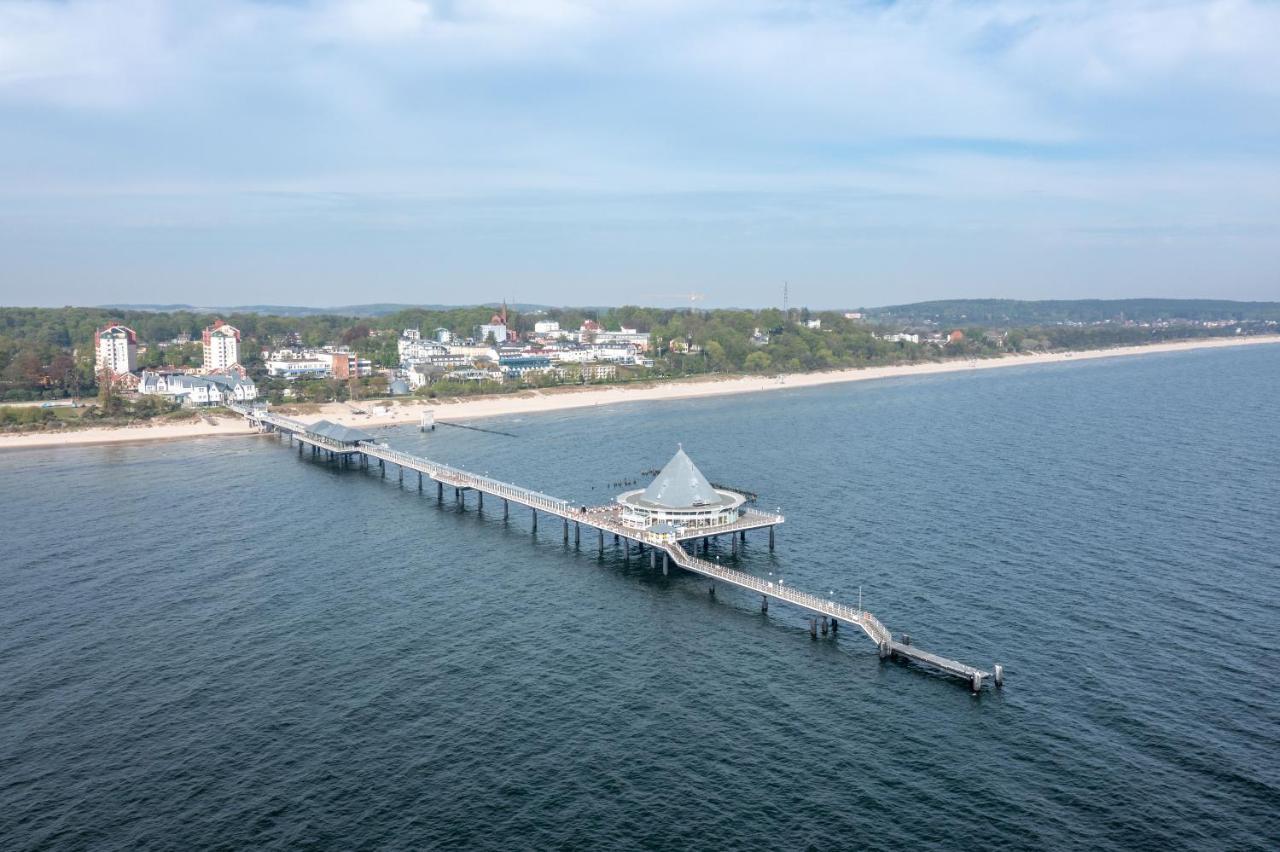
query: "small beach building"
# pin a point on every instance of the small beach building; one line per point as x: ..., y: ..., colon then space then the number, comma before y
x: 348, y: 435
x: 678, y: 500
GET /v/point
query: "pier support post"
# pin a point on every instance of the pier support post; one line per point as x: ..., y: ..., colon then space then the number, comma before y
x: 664, y: 563
x: 764, y: 603
x: 577, y: 534
x: 742, y: 535
x: 835, y: 627
x: 825, y: 625
x: 299, y: 448
x: 712, y: 590
x: 885, y: 650
x: 813, y: 628
x: 439, y: 492
x: 770, y: 539
x: 705, y: 544
x: 976, y: 682
x: 653, y: 559
x: 601, y: 548
x: 479, y: 500
x: 626, y: 552
x: 419, y: 482
x: 401, y: 475
x: 733, y: 543
x: 566, y: 532
x: 506, y: 509
x: 535, y: 521
x: 997, y: 675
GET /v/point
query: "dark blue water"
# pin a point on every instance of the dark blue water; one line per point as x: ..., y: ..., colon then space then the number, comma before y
x: 216, y: 644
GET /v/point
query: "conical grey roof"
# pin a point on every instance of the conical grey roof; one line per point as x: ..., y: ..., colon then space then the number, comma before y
x: 680, y: 485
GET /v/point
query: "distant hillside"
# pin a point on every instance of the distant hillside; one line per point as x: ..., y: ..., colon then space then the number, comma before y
x: 374, y: 310
x: 1016, y: 312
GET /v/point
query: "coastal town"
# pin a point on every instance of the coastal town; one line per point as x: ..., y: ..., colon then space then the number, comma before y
x: 458, y: 352
x: 494, y: 353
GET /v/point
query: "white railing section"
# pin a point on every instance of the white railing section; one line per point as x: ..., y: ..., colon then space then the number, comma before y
x: 779, y: 590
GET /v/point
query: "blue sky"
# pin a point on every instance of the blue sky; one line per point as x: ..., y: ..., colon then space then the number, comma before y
x: 582, y: 152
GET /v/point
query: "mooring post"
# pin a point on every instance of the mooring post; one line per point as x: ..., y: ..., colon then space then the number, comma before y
x: 885, y: 649
x: 997, y: 675
x: 976, y: 682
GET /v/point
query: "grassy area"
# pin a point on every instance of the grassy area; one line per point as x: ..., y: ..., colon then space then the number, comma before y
x: 21, y: 419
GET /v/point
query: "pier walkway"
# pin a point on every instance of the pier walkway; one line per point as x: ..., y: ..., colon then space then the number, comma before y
x: 826, y: 614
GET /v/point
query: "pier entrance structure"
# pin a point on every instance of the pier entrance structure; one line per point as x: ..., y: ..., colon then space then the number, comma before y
x: 661, y: 539
x: 680, y: 501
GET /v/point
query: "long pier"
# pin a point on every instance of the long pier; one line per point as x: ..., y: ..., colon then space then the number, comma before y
x: 826, y: 615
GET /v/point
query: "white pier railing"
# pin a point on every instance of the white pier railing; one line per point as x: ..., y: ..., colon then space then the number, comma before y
x: 607, y: 519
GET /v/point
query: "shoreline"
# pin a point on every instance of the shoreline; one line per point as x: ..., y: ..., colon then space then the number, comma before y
x: 562, y: 399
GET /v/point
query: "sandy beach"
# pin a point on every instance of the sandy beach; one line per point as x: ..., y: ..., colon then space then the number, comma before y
x: 386, y: 413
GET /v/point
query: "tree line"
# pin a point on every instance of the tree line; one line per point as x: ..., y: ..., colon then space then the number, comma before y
x: 48, y: 352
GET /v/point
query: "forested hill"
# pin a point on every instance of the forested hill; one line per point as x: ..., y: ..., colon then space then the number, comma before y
x: 1006, y: 312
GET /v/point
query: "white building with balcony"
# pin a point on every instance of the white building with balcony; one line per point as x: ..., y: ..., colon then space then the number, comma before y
x: 221, y: 346
x: 115, y: 350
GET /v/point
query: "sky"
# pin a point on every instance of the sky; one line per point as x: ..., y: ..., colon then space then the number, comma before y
x: 656, y: 152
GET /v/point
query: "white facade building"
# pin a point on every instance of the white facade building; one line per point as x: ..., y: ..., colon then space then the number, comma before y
x: 116, y: 350
x: 624, y: 337
x: 546, y: 327
x: 415, y: 350
x: 212, y: 389
x: 497, y: 329
x: 221, y: 346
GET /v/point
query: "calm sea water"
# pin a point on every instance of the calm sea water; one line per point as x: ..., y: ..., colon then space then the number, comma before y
x: 216, y: 644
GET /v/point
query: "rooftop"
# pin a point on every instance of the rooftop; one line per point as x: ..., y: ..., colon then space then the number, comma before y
x: 337, y: 432
x: 680, y: 485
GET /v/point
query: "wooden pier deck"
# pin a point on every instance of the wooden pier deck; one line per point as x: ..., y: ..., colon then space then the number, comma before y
x: 606, y: 520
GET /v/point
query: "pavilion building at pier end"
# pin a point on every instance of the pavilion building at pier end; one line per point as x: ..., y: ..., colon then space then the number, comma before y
x: 679, y: 501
